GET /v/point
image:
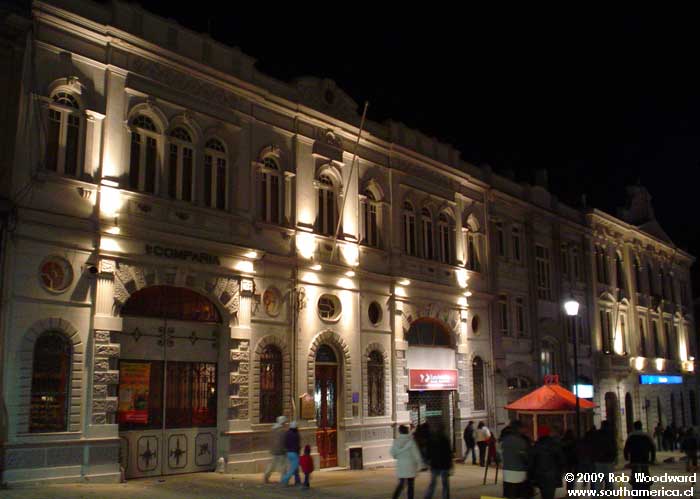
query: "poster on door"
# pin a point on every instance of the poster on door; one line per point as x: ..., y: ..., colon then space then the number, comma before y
x: 134, y: 382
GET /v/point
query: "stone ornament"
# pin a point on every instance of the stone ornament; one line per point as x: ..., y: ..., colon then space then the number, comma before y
x: 55, y: 274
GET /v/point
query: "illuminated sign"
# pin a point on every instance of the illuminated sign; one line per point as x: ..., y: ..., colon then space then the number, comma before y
x: 660, y: 379
x: 432, y: 379
x: 583, y: 391
x: 179, y: 254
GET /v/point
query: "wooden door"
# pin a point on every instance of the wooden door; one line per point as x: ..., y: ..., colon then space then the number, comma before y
x: 327, y: 414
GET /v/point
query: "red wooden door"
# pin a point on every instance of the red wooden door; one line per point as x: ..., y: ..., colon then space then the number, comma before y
x: 327, y: 414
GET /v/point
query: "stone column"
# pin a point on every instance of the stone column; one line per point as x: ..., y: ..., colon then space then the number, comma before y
x: 239, y: 366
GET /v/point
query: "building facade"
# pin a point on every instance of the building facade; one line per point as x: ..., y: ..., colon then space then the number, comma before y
x: 192, y: 248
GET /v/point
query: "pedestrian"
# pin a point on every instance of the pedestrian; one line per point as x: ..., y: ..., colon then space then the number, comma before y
x: 422, y: 437
x: 668, y: 438
x: 307, y: 465
x: 515, y: 449
x: 277, y: 449
x: 482, y: 436
x: 604, y: 454
x: 680, y: 435
x: 546, y: 463
x: 469, y: 442
x: 568, y: 446
x: 292, y: 445
x: 659, y: 436
x: 408, y: 461
x: 584, y: 459
x: 440, y: 460
x: 640, y: 452
x: 689, y: 446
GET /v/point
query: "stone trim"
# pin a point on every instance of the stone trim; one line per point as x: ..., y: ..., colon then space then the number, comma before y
x: 387, y: 379
x: 239, y: 379
x: 26, y: 360
x: 332, y: 338
x: 286, y: 376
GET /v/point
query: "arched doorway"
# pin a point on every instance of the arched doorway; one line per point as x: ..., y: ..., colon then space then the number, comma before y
x: 611, y: 411
x: 629, y: 413
x: 167, y: 397
x: 433, y: 375
x: 326, y: 403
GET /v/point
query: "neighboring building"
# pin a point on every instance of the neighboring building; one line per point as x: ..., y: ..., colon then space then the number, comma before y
x: 196, y: 249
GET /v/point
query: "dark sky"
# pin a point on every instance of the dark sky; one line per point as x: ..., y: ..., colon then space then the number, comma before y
x: 600, y: 99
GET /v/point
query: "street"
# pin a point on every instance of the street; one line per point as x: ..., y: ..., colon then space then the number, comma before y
x: 466, y: 483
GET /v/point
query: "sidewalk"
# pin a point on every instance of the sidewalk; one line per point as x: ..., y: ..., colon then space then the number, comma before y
x: 466, y: 483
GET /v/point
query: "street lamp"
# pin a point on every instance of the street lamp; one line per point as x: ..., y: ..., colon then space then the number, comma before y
x: 571, y: 306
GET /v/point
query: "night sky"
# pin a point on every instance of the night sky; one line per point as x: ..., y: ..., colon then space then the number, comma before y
x: 600, y: 99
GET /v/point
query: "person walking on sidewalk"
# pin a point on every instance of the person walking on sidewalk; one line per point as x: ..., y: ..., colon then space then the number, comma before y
x: 515, y: 448
x: 440, y: 460
x: 659, y: 436
x: 469, y: 442
x: 640, y: 452
x: 278, y: 450
x: 546, y: 463
x: 482, y: 437
x: 292, y: 444
x: 408, y: 461
x: 689, y: 445
x: 604, y: 454
x: 584, y: 459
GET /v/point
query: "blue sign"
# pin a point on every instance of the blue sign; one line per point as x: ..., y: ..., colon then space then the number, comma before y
x: 660, y: 379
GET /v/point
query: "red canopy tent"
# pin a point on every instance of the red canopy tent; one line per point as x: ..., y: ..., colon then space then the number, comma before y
x: 554, y: 406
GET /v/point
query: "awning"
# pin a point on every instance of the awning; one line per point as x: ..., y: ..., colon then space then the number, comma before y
x: 552, y: 398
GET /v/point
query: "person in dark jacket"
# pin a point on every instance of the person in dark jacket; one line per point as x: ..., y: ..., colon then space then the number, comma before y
x: 515, y: 448
x: 440, y: 458
x: 292, y: 444
x: 659, y: 436
x: 668, y: 438
x: 568, y: 445
x: 546, y: 463
x: 469, y: 442
x: 584, y: 458
x: 689, y: 445
x: 422, y: 437
x: 604, y: 453
x: 640, y: 452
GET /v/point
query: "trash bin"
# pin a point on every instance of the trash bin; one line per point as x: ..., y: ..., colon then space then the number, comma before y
x: 356, y: 458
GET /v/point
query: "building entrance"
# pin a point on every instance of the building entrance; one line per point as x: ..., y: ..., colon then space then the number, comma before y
x: 167, y: 398
x: 434, y: 408
x: 326, y: 399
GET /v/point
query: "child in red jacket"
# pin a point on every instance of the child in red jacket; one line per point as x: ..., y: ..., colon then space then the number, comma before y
x: 307, y: 465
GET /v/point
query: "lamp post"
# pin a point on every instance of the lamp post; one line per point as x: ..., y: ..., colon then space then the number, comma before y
x: 571, y: 307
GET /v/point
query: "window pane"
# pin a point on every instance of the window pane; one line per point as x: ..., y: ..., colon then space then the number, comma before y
x: 207, y: 180
x: 151, y: 155
x: 186, y: 174
x: 71, y: 166
x: 478, y: 380
x: 50, y: 383
x: 190, y: 394
x: 263, y: 196
x: 274, y: 199
x: 221, y: 183
x: 52, y: 140
x: 270, y: 384
x: 140, y: 395
x: 375, y: 384
x: 134, y: 161
x: 172, y: 171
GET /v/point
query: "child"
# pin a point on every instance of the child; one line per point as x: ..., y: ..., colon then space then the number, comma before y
x: 307, y: 465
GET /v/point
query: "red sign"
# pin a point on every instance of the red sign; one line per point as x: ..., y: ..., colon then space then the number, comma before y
x: 432, y: 379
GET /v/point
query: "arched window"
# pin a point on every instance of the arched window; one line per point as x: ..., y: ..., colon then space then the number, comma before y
x: 409, y: 229
x: 144, y: 154
x: 370, y: 219
x: 478, y: 381
x: 215, y: 174
x: 637, y: 275
x: 270, y: 384
x: 63, y: 141
x: 327, y: 218
x: 50, y: 383
x: 375, y: 384
x: 620, y: 273
x: 473, y: 246
x: 270, y: 190
x: 657, y: 340
x: 429, y: 332
x: 445, y: 231
x: 547, y: 358
x: 170, y: 302
x: 180, y: 165
x: 427, y: 233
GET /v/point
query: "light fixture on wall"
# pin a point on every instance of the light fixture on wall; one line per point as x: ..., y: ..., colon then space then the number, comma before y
x: 316, y: 266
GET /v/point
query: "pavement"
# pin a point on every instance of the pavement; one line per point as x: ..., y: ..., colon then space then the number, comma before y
x: 465, y: 483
